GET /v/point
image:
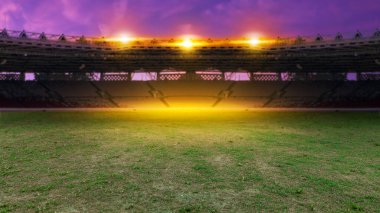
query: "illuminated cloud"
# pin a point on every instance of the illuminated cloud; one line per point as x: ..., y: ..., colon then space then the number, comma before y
x: 212, y: 18
x: 8, y: 13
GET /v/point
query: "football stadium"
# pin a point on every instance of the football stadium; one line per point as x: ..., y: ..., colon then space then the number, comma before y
x: 55, y: 71
x: 189, y: 124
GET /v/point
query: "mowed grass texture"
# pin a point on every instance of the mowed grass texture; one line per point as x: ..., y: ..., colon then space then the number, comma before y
x: 189, y: 162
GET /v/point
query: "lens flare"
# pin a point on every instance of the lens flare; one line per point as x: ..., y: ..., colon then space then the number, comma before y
x: 125, y: 39
x: 187, y: 43
x: 254, y: 42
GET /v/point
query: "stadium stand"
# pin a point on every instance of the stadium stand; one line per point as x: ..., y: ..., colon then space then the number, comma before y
x: 42, y: 70
x: 188, y: 93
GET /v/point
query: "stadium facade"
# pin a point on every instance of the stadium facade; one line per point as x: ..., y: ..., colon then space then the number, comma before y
x: 39, y: 70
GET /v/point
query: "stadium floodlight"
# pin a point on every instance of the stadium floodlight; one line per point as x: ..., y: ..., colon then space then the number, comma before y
x: 254, y: 41
x: 125, y: 39
x: 120, y: 39
x: 187, y: 43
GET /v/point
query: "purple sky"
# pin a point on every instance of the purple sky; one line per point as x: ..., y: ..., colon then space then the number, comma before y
x: 207, y: 18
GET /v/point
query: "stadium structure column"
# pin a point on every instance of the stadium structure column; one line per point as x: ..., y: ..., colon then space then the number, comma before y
x: 359, y: 76
x: 129, y: 75
x: 159, y: 75
x: 251, y: 76
x: 279, y: 76
x: 191, y: 75
x: 22, y: 76
x: 101, y: 78
x: 308, y: 77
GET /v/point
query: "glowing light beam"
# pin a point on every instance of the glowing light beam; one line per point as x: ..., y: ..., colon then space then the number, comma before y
x: 125, y: 39
x: 254, y: 42
x: 187, y: 43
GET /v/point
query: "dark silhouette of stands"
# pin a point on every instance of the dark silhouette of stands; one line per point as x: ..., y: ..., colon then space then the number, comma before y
x: 164, y: 94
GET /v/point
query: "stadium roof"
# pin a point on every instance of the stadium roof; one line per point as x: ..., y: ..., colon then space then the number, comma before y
x: 40, y: 52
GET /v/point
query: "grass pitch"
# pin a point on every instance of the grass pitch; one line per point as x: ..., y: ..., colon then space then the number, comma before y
x: 189, y: 162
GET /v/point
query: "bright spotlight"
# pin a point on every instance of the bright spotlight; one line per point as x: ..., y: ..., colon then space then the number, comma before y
x: 187, y: 43
x: 125, y: 39
x: 254, y: 42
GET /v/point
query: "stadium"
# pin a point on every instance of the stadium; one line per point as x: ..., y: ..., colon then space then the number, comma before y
x: 124, y: 123
x: 39, y: 70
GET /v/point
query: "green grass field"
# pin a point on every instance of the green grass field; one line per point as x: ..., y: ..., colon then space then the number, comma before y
x: 189, y: 162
